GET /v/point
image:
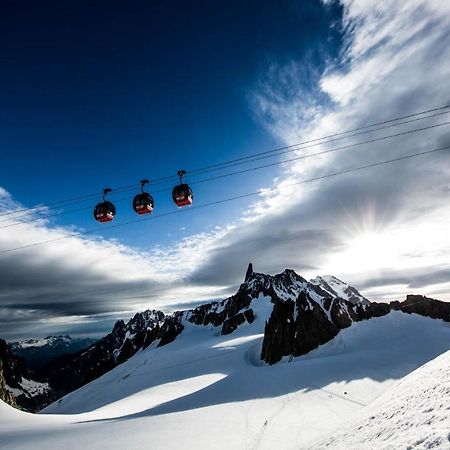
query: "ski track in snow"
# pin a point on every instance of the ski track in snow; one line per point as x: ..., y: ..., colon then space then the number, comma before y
x: 207, y: 391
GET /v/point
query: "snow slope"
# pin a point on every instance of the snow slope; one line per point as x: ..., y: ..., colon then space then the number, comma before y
x: 414, y: 413
x: 209, y: 391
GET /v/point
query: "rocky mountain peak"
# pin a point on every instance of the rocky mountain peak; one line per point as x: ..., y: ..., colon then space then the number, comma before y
x: 335, y: 287
x: 283, y: 285
x: 118, y: 326
x: 249, y: 272
x: 145, y: 320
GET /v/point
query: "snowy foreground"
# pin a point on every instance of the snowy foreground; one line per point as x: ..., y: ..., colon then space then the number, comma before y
x: 415, y: 414
x: 206, y: 391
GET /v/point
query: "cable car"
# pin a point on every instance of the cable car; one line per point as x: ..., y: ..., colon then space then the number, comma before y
x: 105, y: 211
x: 143, y: 203
x: 182, y: 194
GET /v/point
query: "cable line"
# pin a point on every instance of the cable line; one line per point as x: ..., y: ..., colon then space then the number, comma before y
x: 243, y: 160
x: 302, y: 145
x: 238, y: 197
x: 251, y: 169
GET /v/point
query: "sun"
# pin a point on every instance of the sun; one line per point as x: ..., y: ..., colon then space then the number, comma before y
x: 365, y: 252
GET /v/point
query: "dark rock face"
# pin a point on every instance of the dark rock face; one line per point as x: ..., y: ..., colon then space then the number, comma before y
x: 170, y: 329
x: 11, y: 370
x: 294, y: 329
x: 375, y: 310
x: 341, y: 315
x: 249, y: 272
x: 236, y: 311
x: 282, y: 286
x: 424, y: 306
x: 233, y: 323
x: 229, y: 313
x: 13, y: 366
x: 17, y: 387
x: 5, y: 395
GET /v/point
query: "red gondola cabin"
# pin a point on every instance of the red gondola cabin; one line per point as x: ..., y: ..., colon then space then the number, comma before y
x: 182, y: 194
x: 143, y: 203
x: 104, y: 211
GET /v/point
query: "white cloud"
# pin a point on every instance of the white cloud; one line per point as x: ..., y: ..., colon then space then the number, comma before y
x: 397, y: 61
x: 78, y: 278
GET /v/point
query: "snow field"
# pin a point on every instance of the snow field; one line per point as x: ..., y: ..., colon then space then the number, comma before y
x: 206, y: 391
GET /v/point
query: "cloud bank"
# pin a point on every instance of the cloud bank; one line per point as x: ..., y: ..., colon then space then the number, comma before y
x: 383, y: 229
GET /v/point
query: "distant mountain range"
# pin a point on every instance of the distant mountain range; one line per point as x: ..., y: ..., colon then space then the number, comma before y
x: 302, y: 315
x: 38, y: 352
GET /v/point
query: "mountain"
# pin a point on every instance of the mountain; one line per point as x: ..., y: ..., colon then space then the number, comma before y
x: 154, y: 328
x: 337, y: 288
x: 298, y: 316
x: 282, y: 363
x: 16, y: 384
x: 37, y: 352
x: 68, y: 372
x: 210, y: 390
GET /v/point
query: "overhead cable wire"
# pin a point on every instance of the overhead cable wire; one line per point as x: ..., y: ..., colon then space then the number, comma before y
x: 251, y: 169
x: 229, y: 199
x: 276, y: 163
x: 249, y: 157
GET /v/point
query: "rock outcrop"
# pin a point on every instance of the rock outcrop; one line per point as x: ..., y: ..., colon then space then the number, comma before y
x: 17, y: 387
x: 298, y: 326
x: 429, y: 307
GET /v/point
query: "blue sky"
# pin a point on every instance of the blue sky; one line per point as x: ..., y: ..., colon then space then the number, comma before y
x: 95, y: 96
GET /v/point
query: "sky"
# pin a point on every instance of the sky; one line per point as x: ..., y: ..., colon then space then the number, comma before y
x: 95, y: 96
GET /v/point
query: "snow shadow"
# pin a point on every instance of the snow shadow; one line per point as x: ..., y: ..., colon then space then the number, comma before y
x: 380, y: 349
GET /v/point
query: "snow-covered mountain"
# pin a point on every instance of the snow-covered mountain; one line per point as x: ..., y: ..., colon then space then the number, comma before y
x: 37, y: 352
x: 154, y: 328
x: 337, y: 288
x: 210, y: 390
x: 298, y: 316
x: 49, y: 341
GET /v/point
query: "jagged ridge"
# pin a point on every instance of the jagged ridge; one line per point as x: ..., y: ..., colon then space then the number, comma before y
x: 304, y: 316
